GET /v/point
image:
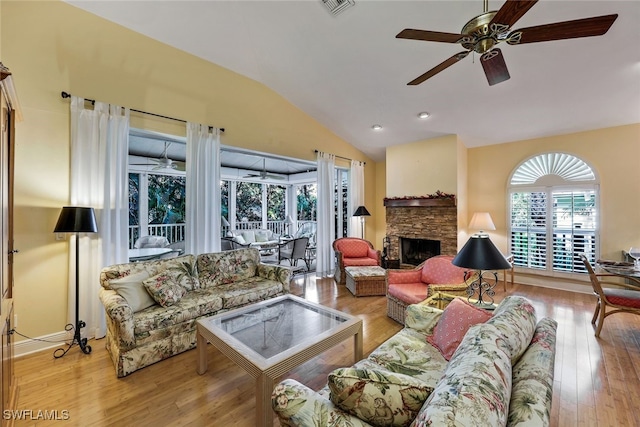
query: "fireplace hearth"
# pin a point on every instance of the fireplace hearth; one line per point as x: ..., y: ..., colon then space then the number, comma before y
x: 415, y: 251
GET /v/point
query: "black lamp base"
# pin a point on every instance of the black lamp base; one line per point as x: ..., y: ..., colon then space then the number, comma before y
x: 484, y: 286
x: 77, y: 339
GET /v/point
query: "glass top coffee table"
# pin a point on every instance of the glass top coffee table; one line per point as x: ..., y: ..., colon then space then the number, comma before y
x: 271, y: 337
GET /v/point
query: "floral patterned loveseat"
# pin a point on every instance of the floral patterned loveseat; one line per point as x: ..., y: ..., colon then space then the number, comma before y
x: 501, y: 374
x: 152, y: 306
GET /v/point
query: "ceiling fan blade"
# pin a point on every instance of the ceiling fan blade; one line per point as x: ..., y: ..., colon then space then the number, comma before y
x: 429, y: 36
x: 274, y: 176
x: 435, y: 70
x: 494, y: 67
x: 511, y: 11
x: 587, y: 27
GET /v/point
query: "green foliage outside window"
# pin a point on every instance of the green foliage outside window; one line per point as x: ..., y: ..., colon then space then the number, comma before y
x: 249, y: 201
x: 276, y: 195
x: 307, y: 202
x: 134, y: 198
x: 166, y: 199
x: 224, y: 199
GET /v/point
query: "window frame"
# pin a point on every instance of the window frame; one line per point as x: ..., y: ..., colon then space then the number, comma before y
x: 551, y: 184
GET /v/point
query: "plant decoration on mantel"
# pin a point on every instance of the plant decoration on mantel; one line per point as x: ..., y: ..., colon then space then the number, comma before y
x: 438, y: 198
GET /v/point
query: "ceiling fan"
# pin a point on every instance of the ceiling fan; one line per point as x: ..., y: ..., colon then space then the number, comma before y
x: 263, y: 173
x: 482, y: 33
x: 162, y: 162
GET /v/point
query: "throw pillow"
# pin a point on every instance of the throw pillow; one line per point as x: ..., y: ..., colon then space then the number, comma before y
x: 262, y: 236
x: 249, y: 236
x: 185, y: 274
x: 240, y: 240
x: 133, y: 291
x: 454, y: 323
x: 164, y: 289
x: 379, y: 397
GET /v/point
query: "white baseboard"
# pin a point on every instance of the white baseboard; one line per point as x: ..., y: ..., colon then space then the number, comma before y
x: 28, y: 346
x: 555, y: 283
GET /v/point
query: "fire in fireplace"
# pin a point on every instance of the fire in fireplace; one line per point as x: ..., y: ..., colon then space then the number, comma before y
x: 415, y: 251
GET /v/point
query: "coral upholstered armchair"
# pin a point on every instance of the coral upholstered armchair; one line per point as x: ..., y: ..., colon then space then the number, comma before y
x: 353, y: 252
x: 406, y: 287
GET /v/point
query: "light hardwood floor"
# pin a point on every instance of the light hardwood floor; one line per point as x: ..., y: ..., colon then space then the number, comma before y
x: 596, y: 380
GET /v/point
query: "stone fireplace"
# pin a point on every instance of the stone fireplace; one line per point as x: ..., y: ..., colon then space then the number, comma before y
x: 429, y: 225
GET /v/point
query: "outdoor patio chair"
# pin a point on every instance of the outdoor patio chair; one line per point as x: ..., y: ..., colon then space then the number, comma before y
x: 294, y: 250
x: 151, y: 242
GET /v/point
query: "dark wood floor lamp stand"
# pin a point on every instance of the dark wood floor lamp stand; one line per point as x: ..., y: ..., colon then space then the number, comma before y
x: 76, y: 220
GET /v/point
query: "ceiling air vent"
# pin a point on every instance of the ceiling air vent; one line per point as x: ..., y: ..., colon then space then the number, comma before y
x: 337, y: 6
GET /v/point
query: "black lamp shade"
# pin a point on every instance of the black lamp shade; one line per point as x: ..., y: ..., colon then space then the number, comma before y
x: 361, y: 211
x: 75, y: 219
x: 479, y: 253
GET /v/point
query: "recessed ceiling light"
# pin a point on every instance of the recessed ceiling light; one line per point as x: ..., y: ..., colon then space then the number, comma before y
x: 423, y: 115
x: 376, y: 127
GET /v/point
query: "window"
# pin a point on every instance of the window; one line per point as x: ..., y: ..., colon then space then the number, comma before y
x: 307, y: 202
x: 276, y: 202
x: 553, y: 213
x: 156, y: 203
x: 342, y: 203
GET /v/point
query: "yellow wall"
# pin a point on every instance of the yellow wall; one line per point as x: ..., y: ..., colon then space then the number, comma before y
x: 51, y: 47
x: 614, y: 154
x: 462, y: 193
x: 380, y: 220
x: 423, y: 167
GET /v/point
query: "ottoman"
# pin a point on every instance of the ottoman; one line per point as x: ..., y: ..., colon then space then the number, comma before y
x: 366, y: 281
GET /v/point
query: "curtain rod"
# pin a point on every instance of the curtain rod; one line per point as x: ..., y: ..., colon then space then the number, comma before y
x: 66, y: 95
x: 340, y: 157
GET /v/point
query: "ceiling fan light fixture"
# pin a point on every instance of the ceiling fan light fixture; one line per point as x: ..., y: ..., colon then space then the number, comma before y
x: 423, y: 115
x: 376, y: 127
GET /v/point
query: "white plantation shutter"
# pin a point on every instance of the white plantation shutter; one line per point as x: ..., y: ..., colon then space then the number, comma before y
x: 553, y: 213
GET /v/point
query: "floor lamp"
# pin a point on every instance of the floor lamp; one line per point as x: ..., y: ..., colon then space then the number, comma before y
x: 362, y: 212
x: 77, y: 220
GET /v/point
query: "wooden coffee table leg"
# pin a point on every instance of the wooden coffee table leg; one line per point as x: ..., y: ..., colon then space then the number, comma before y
x: 264, y: 388
x: 202, y: 353
x: 357, y: 345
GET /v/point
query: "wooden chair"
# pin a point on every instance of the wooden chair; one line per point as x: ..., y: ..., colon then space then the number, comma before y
x: 622, y: 299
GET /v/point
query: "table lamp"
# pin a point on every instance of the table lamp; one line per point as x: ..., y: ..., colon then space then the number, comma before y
x: 77, y: 220
x: 479, y: 253
x: 481, y: 221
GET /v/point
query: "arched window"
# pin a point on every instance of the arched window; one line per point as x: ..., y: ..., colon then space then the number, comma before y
x: 553, y: 211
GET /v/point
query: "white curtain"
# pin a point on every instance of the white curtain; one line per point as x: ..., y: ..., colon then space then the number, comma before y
x: 99, y: 179
x: 326, y: 214
x: 356, y: 197
x: 202, y: 228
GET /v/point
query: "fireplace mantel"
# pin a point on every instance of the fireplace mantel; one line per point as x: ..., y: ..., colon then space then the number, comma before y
x: 419, y: 202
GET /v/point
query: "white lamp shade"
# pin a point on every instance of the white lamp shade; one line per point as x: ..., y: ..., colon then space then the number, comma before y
x: 481, y: 221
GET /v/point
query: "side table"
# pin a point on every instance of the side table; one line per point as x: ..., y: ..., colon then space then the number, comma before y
x: 366, y: 281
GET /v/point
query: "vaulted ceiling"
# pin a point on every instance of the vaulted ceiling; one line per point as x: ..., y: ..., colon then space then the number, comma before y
x: 349, y: 71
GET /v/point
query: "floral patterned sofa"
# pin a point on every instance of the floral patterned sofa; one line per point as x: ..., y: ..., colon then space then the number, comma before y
x: 500, y: 374
x: 152, y: 306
